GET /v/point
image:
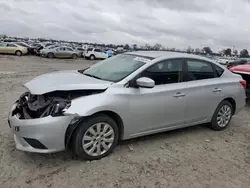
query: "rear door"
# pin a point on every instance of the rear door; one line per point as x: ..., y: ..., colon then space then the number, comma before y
x: 205, y: 89
x: 3, y: 48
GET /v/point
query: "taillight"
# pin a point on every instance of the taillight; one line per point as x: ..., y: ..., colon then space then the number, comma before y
x: 243, y: 83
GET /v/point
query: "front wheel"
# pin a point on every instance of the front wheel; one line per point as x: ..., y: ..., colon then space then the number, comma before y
x: 222, y: 116
x: 95, y: 138
x: 74, y: 56
x: 92, y: 57
x: 18, y: 53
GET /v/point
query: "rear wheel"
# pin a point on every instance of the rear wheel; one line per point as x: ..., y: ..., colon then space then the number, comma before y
x: 92, y: 57
x: 18, y: 53
x: 74, y: 56
x: 95, y: 138
x: 50, y: 55
x: 222, y: 116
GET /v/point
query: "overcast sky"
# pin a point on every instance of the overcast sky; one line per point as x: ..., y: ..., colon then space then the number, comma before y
x: 173, y: 23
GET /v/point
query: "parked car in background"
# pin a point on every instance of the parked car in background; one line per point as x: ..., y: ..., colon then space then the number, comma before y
x: 30, y: 48
x: 223, y: 61
x: 36, y: 47
x: 45, y: 50
x: 109, y: 52
x: 60, y: 52
x: 80, y: 51
x: 237, y: 62
x: 123, y: 97
x: 95, y: 53
x: 12, y: 48
x: 244, y: 71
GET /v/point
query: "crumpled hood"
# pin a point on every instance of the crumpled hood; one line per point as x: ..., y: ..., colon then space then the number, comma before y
x: 64, y: 81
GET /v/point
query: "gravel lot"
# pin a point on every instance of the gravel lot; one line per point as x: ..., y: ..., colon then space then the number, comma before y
x: 194, y: 157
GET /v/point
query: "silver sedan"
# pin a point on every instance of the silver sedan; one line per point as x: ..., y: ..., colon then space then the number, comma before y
x: 123, y: 97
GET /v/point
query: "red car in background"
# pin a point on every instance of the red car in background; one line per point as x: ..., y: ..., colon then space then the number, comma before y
x: 244, y: 71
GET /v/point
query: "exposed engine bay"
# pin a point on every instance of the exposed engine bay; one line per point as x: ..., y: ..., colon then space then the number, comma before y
x: 37, y: 106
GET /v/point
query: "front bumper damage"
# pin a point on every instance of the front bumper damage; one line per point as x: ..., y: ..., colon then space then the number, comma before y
x: 39, y: 129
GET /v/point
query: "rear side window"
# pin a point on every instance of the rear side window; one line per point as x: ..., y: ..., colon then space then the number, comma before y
x: 219, y: 70
x: 89, y: 49
x: 11, y: 45
x: 199, y: 70
x: 97, y: 50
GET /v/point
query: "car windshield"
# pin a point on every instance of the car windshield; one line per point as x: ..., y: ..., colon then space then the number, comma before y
x: 116, y: 68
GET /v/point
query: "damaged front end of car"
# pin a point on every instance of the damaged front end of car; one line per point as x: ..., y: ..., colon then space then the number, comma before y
x: 53, y: 104
x: 40, y: 122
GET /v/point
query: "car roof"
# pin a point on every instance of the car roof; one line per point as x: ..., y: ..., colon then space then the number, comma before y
x: 157, y: 54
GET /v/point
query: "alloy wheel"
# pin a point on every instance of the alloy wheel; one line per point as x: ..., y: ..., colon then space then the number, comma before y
x: 98, y: 139
x: 18, y: 53
x: 224, y: 115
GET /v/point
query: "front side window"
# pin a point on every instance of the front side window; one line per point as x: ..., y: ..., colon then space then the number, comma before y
x: 89, y: 49
x: 69, y: 49
x: 116, y: 68
x: 11, y: 45
x: 21, y: 44
x: 199, y: 70
x: 165, y: 72
x: 62, y: 49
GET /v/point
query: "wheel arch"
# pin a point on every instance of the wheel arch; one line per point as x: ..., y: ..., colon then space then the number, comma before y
x: 71, y: 128
x: 18, y: 50
x: 232, y: 102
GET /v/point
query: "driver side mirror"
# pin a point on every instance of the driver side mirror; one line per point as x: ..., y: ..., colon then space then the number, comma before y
x: 145, y: 82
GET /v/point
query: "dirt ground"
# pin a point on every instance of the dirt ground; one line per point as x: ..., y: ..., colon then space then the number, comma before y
x: 194, y: 157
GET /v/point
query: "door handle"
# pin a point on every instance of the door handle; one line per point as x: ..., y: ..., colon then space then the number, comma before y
x: 179, y: 94
x: 217, y: 90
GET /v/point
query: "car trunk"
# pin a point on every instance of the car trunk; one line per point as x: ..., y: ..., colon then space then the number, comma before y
x: 246, y: 77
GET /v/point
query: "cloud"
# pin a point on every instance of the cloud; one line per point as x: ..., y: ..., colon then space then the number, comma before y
x: 173, y: 23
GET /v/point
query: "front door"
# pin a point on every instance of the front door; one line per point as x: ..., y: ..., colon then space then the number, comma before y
x: 60, y: 52
x: 98, y: 53
x: 163, y: 106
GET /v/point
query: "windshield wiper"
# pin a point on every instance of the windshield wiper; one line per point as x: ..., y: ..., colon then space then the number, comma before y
x: 93, y: 76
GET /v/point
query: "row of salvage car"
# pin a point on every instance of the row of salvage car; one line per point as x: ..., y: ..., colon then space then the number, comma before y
x: 54, y: 51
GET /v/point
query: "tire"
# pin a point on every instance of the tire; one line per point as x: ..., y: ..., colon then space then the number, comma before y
x: 225, y: 117
x: 18, y: 53
x: 74, y: 56
x: 50, y: 55
x: 83, y: 135
x: 92, y: 57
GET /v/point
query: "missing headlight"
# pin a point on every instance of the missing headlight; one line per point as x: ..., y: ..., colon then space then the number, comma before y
x: 59, y: 107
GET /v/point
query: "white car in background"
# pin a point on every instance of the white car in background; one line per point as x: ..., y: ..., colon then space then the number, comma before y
x: 223, y: 61
x: 95, y: 53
